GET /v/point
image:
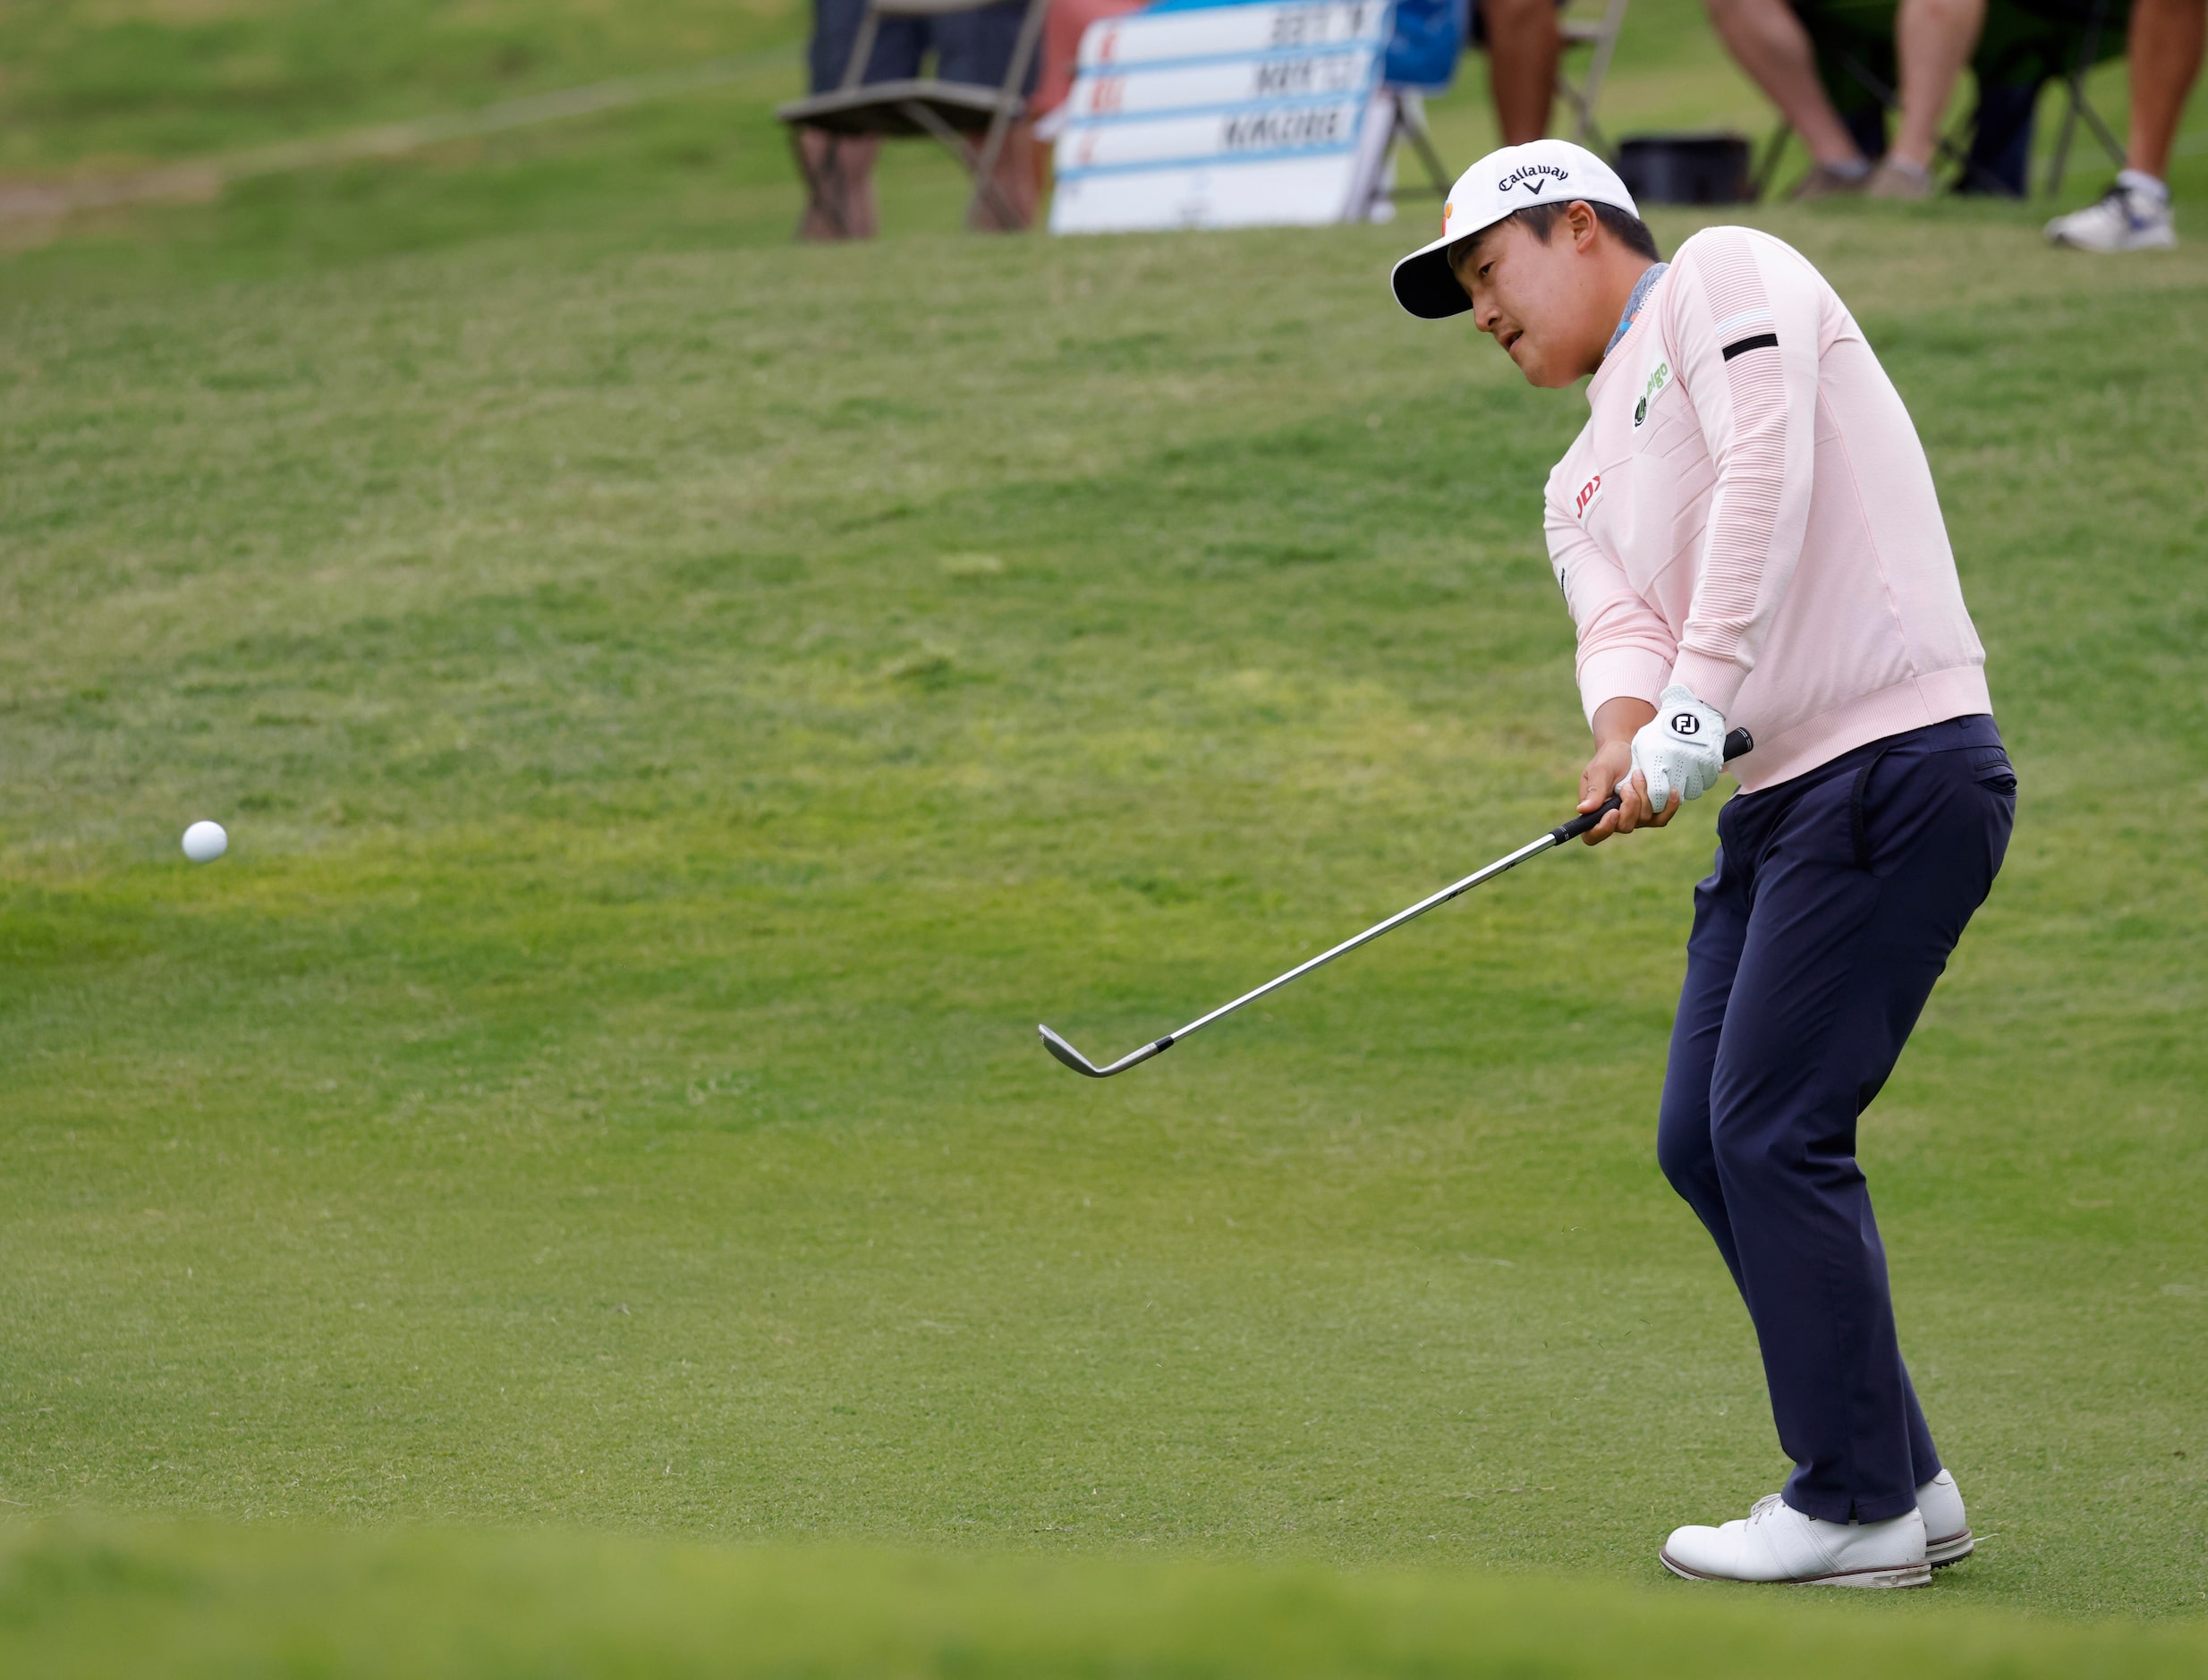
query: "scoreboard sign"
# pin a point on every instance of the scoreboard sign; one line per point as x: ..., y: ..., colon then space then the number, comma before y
x: 1236, y: 115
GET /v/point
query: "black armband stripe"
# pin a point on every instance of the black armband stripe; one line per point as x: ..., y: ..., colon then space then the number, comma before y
x: 1741, y: 347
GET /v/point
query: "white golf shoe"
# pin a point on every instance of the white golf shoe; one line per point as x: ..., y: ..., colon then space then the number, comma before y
x: 1947, y: 1531
x: 2130, y: 215
x: 1776, y: 1543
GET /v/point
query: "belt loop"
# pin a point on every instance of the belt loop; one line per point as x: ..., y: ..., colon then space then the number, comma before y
x: 1857, y: 829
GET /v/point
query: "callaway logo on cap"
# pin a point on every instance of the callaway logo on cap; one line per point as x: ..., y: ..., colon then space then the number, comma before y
x: 1542, y: 172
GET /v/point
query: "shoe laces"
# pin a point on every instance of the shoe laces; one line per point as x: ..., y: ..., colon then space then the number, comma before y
x: 1765, y: 1506
x: 2137, y: 209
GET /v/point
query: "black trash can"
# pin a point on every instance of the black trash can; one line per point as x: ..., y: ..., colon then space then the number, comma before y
x: 1686, y: 168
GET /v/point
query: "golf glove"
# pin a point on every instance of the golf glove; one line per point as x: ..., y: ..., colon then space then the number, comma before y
x: 1681, y: 750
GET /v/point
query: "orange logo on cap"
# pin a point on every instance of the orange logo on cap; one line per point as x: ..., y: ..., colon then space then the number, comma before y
x: 1446, y: 210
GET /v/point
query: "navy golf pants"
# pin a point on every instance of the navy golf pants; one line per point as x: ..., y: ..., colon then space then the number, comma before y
x: 1835, y: 901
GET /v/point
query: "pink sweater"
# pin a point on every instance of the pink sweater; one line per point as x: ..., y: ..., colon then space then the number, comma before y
x: 1748, y: 512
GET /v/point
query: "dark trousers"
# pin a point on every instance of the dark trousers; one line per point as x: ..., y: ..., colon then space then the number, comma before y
x: 1835, y: 901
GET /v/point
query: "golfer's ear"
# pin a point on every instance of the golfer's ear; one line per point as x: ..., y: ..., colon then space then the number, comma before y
x: 1580, y: 217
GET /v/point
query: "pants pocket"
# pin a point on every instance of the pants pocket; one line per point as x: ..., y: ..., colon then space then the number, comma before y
x: 1858, y: 821
x: 1989, y: 768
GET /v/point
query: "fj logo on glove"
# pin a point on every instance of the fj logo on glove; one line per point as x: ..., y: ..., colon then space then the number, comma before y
x: 1686, y: 724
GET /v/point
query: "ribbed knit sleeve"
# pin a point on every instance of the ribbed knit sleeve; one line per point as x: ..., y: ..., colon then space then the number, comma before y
x: 1625, y: 647
x: 1744, y: 333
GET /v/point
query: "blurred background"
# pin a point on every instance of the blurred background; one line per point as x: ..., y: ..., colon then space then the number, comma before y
x: 139, y: 137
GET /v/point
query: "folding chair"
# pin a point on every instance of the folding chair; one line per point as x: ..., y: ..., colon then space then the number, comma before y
x: 1426, y: 41
x: 1601, y: 36
x: 1408, y: 91
x: 1410, y: 126
x: 2102, y: 22
x: 953, y: 113
x: 2025, y: 44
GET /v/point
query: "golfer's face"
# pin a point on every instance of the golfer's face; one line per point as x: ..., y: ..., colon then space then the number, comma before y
x: 1520, y: 289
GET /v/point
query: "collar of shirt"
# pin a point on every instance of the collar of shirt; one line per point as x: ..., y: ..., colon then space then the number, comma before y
x: 1641, y: 289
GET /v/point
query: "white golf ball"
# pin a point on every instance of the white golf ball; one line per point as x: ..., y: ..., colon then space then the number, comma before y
x: 204, y: 842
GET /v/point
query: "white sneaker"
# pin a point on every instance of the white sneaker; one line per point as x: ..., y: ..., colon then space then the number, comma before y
x: 2130, y: 215
x: 1947, y: 1531
x: 1776, y: 1543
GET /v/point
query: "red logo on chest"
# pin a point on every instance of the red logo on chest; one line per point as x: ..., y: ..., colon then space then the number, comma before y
x: 1586, y: 495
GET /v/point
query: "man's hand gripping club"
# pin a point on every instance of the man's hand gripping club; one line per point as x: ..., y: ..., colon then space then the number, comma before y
x: 1654, y: 758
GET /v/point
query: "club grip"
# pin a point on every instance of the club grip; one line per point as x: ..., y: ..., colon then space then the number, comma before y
x: 1736, y: 743
x: 1585, y: 820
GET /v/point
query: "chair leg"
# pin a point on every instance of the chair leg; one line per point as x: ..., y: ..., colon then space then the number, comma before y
x: 1585, y: 130
x: 2073, y: 90
x: 2110, y: 144
x: 1598, y: 67
x: 1581, y: 115
x: 2059, y: 165
x: 1411, y: 125
x: 1011, y: 101
x: 1582, y: 98
x: 823, y: 187
x: 2088, y: 51
x: 985, y: 188
x: 1766, y: 169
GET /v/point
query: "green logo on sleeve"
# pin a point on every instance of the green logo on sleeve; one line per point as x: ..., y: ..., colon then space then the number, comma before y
x: 1656, y: 382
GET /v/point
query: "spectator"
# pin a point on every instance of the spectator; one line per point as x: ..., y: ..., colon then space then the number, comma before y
x: 2133, y: 215
x: 1932, y: 41
x: 970, y: 47
x: 1522, y: 43
x: 1523, y: 47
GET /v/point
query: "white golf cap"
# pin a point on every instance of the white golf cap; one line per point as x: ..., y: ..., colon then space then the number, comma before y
x: 1541, y: 172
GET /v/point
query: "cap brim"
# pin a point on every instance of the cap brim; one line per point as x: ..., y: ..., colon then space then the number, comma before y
x: 1426, y: 286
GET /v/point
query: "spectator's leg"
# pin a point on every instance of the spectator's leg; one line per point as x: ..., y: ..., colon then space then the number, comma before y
x: 1934, y: 39
x: 2135, y: 213
x: 2166, y: 37
x: 1523, y: 47
x: 1017, y: 176
x: 977, y: 47
x: 841, y: 169
x: 1768, y: 41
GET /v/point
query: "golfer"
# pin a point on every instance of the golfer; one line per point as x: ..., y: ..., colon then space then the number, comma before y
x: 1747, y: 536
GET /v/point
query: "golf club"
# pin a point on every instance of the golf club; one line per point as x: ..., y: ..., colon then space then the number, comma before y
x: 1736, y: 743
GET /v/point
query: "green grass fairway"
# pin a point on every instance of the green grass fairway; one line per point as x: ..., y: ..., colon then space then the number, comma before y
x: 91, y: 1601
x: 686, y: 709
x: 684, y: 721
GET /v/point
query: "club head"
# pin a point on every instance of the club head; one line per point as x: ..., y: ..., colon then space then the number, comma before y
x: 1080, y: 1063
x: 1068, y: 1055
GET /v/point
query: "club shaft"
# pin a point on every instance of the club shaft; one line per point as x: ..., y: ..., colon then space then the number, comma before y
x: 1533, y: 849
x: 1737, y: 742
